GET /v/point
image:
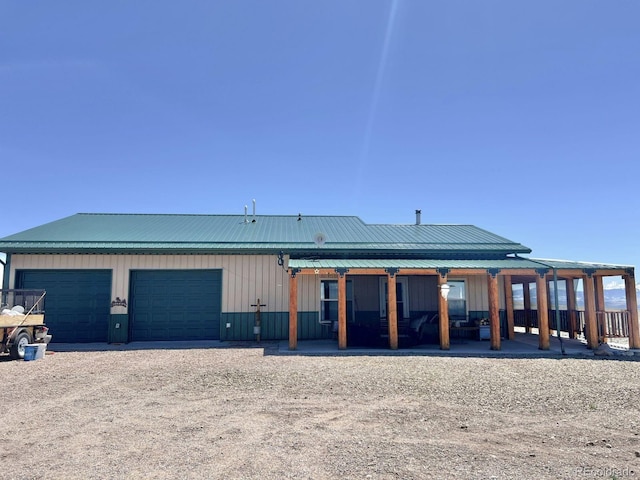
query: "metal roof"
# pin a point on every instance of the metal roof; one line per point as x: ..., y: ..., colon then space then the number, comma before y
x: 263, y: 233
x: 503, y: 264
x: 575, y: 265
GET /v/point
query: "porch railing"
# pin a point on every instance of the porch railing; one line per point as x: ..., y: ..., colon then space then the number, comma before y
x: 611, y: 324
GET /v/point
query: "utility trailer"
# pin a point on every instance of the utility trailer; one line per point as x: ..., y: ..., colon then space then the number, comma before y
x: 21, y: 321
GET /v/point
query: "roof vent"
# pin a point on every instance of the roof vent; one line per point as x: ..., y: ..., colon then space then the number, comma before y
x: 254, y: 211
x: 418, y: 214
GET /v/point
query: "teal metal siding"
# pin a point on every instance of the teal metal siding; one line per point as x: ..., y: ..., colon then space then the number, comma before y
x: 309, y: 327
x: 118, y: 328
x: 77, y: 302
x: 175, y: 305
x: 273, y: 326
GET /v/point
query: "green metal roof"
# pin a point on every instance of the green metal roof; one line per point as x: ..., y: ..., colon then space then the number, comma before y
x: 412, y: 263
x: 264, y: 233
x: 503, y: 264
x: 573, y: 265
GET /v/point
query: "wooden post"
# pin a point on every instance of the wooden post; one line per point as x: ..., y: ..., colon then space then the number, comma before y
x: 543, y: 312
x: 632, y: 306
x: 494, y: 311
x: 601, y: 318
x: 392, y: 311
x: 443, y: 315
x: 508, y: 297
x: 591, y: 325
x: 526, y: 291
x: 342, y: 312
x: 293, y: 312
x: 550, y: 302
x: 571, y: 307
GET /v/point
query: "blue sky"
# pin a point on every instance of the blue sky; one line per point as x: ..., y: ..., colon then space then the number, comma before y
x: 518, y: 117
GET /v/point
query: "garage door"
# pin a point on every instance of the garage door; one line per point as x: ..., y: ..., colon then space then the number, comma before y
x: 175, y: 304
x: 77, y: 304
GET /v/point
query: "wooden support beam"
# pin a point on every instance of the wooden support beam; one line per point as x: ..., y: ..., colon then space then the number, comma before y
x: 342, y: 312
x: 567, y: 273
x: 571, y: 307
x: 392, y: 311
x: 591, y: 324
x: 551, y: 303
x: 508, y: 297
x: 526, y: 290
x: 293, y: 312
x: 601, y: 321
x: 443, y: 315
x: 494, y: 311
x: 416, y: 271
x: 599, y: 286
x: 543, y: 313
x: 632, y: 306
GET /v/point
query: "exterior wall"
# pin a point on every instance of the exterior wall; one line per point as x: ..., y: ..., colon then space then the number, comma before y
x: 309, y: 292
x: 477, y: 293
x: 366, y: 290
x: 423, y: 294
x: 249, y: 277
x: 245, y: 278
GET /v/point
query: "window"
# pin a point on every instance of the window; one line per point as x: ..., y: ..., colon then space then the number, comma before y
x: 329, y: 301
x: 457, y: 300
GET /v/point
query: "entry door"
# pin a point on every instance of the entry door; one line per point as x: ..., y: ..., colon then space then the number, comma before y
x: 402, y: 297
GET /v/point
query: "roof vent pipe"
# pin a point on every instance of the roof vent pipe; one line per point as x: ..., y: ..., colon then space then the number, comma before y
x: 245, y: 214
x: 254, y: 210
x: 418, y: 213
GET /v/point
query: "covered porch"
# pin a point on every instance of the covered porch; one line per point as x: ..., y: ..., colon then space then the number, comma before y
x: 345, y: 292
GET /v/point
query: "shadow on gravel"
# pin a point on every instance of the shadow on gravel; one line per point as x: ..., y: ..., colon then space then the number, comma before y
x: 329, y: 349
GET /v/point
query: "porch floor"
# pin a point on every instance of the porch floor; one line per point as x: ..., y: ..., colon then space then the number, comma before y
x: 524, y: 345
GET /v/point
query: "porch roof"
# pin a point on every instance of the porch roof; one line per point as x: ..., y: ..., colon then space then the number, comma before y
x: 511, y: 263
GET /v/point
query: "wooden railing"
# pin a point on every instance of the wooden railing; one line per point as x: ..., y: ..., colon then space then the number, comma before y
x: 611, y: 324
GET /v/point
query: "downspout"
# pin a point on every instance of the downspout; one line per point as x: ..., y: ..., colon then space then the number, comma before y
x: 555, y: 299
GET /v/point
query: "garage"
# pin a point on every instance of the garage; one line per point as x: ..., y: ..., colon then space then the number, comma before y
x: 175, y: 305
x: 77, y: 302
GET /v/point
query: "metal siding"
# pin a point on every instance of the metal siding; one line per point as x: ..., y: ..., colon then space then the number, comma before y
x: 423, y: 293
x: 366, y: 290
x: 309, y: 292
x: 244, y: 276
x: 477, y: 292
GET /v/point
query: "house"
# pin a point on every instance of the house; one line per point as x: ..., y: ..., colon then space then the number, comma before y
x: 140, y: 277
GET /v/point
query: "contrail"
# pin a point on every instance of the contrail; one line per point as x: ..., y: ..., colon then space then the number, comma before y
x: 364, y: 154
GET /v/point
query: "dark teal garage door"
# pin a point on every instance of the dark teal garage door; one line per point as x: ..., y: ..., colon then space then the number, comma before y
x: 77, y: 304
x: 175, y: 304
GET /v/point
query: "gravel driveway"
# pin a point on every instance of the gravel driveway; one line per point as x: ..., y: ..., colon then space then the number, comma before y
x: 248, y: 413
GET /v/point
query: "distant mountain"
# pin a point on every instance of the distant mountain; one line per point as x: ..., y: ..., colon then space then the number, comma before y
x: 614, y: 298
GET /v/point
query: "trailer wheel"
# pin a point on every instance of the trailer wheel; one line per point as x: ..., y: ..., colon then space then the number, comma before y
x: 17, y: 347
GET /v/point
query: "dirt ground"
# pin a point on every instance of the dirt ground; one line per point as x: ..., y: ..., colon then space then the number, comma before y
x: 250, y: 413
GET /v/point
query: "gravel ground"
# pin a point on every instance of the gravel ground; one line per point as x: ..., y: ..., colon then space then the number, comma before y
x: 248, y: 413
